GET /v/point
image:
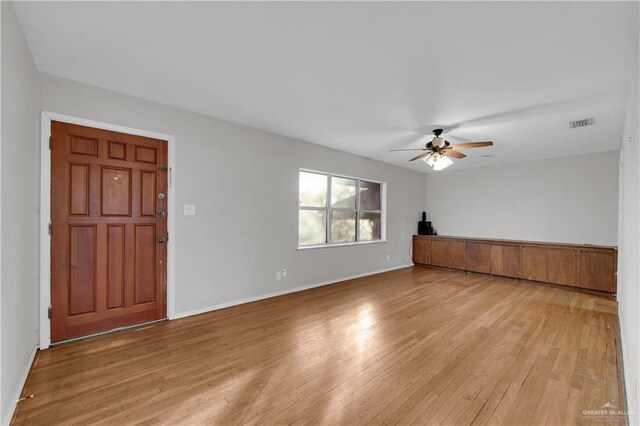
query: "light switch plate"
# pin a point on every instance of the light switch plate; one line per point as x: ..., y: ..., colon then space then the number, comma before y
x: 189, y: 210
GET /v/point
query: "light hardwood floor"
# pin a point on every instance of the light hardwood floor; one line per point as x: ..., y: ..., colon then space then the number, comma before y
x: 416, y: 345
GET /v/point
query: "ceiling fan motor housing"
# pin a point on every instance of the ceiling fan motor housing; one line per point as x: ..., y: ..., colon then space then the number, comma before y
x: 438, y: 142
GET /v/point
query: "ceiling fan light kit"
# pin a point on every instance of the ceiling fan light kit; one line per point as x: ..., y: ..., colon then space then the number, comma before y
x: 437, y: 161
x: 442, y: 163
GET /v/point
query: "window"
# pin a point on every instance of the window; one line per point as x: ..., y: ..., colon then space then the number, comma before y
x: 337, y: 210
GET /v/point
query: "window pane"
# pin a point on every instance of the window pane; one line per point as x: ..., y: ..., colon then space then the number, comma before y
x: 343, y: 193
x: 312, y: 227
x: 313, y: 190
x: 343, y: 227
x: 370, y: 225
x: 369, y: 195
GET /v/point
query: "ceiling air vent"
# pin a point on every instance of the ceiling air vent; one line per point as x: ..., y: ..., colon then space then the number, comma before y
x: 582, y: 123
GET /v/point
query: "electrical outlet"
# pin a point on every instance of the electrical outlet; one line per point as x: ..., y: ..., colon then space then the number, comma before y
x: 189, y: 210
x: 284, y: 272
x: 388, y: 258
x: 278, y: 275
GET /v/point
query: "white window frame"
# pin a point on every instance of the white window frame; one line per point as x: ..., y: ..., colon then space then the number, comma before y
x: 329, y: 210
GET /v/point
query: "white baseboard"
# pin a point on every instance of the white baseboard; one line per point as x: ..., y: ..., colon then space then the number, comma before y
x: 280, y: 293
x: 628, y: 380
x: 14, y: 402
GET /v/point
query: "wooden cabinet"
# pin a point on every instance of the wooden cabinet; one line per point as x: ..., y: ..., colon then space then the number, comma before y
x: 505, y: 260
x: 589, y: 267
x: 478, y: 257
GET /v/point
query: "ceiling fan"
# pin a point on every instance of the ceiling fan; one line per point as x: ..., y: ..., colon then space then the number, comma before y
x: 437, y: 151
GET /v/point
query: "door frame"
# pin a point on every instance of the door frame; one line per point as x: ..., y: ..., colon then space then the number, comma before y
x: 45, y: 211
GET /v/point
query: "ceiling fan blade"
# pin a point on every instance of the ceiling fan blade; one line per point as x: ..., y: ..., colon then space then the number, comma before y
x: 407, y: 149
x: 469, y: 145
x: 453, y: 153
x: 419, y: 156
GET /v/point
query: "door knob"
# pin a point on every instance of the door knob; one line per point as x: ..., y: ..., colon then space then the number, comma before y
x: 161, y: 239
x: 161, y: 212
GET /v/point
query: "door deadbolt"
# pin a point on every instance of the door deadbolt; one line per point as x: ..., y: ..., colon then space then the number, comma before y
x: 161, y: 195
x: 162, y: 212
x: 161, y: 239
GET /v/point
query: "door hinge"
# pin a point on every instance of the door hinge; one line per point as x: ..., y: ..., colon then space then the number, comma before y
x: 49, y: 312
x: 50, y: 229
x: 50, y: 142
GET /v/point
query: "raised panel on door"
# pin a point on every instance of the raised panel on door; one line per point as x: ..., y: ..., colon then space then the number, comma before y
x: 597, y: 270
x: 81, y: 145
x: 148, y: 193
x: 534, y: 264
x: 116, y: 191
x: 79, y: 178
x: 82, y: 269
x: 505, y: 260
x: 455, y: 254
x: 439, y: 255
x: 116, y: 265
x: 478, y: 257
x: 562, y: 266
x: 108, y: 269
x: 117, y: 150
x: 146, y: 154
x: 144, y: 263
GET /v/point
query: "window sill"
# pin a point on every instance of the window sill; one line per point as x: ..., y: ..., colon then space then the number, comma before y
x: 358, y: 243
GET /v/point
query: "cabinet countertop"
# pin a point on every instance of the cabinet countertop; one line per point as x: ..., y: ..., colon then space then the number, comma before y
x: 524, y: 242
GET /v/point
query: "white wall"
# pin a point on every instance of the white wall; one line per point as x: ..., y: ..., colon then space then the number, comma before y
x: 244, y: 185
x: 569, y: 199
x: 20, y: 179
x: 629, y: 250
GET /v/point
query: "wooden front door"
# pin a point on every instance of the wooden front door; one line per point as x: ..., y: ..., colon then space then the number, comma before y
x: 108, y: 222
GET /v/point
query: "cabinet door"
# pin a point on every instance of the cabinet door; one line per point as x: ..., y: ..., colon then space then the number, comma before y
x: 439, y: 253
x: 534, y: 265
x: 596, y: 270
x: 421, y: 251
x: 478, y: 257
x: 505, y: 260
x: 562, y: 266
x: 447, y: 253
x: 456, y: 254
